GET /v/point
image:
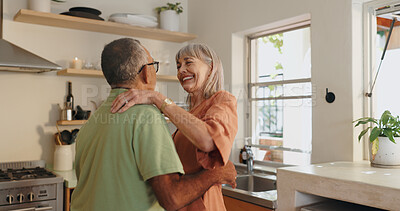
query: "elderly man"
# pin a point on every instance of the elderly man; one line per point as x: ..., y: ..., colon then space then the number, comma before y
x: 128, y: 161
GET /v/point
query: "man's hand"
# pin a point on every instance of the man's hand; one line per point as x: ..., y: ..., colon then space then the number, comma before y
x: 130, y: 98
x: 174, y: 191
x: 227, y: 174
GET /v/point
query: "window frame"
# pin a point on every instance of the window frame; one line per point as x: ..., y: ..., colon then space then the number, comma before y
x: 369, y: 54
x: 273, y: 28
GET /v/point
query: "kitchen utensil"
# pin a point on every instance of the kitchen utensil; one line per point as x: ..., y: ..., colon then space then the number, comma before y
x: 82, y: 15
x: 74, y: 134
x: 134, y: 19
x: 86, y: 9
x: 131, y: 15
x: 81, y: 114
x: 58, y: 136
x: 66, y: 136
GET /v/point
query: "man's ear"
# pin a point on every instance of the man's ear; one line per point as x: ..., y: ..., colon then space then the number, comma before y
x: 146, y: 75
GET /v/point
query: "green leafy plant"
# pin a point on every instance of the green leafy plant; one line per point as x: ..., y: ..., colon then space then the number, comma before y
x: 387, y: 126
x: 170, y: 6
x: 270, y: 112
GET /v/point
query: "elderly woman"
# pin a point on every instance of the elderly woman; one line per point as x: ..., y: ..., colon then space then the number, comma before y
x: 205, y: 134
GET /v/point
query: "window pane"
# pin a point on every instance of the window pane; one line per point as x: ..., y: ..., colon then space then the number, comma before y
x: 281, y: 123
x: 269, y: 91
x: 291, y: 130
x: 284, y: 56
x: 387, y: 81
x: 298, y: 89
x: 270, y: 118
x: 297, y: 124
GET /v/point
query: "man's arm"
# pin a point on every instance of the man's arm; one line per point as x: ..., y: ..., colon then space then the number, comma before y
x: 175, y: 191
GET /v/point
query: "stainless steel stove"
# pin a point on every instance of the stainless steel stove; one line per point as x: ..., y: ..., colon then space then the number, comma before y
x: 28, y: 186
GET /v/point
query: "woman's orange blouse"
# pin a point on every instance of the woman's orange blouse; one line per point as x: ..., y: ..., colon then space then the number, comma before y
x: 220, y: 115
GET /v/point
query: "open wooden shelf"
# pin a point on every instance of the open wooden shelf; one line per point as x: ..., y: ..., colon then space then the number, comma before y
x: 99, y: 73
x: 170, y: 78
x: 71, y: 122
x: 81, y: 122
x: 78, y: 72
x: 65, y: 21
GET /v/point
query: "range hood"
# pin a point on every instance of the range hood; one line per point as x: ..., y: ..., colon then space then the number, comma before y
x: 14, y: 58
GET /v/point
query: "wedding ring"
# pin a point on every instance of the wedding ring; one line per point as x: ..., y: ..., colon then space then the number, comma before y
x: 126, y: 101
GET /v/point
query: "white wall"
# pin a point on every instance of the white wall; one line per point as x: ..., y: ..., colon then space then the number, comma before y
x: 331, y: 43
x: 28, y: 107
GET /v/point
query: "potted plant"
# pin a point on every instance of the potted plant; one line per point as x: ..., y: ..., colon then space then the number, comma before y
x: 169, y: 16
x: 383, y: 139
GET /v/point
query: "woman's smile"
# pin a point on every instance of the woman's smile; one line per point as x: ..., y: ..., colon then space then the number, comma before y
x: 185, y: 78
x: 192, y: 73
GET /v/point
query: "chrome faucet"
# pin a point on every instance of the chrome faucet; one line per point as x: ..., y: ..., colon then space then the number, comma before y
x: 249, y: 159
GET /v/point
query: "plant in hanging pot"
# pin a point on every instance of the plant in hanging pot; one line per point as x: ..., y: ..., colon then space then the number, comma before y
x: 169, y: 16
x: 383, y: 140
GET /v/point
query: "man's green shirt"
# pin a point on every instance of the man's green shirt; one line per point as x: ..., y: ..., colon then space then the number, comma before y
x: 117, y: 153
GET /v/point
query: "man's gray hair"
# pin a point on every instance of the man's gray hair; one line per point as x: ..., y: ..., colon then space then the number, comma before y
x: 121, y: 60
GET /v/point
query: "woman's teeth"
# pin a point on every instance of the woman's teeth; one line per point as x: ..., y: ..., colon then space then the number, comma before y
x: 187, y: 78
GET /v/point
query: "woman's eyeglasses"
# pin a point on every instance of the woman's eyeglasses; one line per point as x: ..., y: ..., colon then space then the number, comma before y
x: 155, y: 65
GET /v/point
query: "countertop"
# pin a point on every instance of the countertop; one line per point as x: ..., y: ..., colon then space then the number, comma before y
x: 355, y: 182
x: 70, y: 180
x: 267, y: 199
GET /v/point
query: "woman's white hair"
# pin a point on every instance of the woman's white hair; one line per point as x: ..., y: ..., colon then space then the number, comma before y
x: 215, y: 80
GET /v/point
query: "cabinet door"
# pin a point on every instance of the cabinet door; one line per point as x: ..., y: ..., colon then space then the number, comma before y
x: 232, y: 204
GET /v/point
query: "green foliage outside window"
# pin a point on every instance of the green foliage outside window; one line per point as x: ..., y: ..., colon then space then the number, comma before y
x: 270, y: 110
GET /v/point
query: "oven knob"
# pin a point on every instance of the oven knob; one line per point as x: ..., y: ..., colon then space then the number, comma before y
x: 30, y: 196
x: 10, y: 199
x: 20, y: 197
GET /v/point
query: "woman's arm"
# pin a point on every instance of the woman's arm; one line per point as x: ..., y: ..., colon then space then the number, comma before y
x: 192, y: 127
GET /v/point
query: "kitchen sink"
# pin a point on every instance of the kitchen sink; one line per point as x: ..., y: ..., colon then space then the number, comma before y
x: 254, y: 183
x: 258, y: 187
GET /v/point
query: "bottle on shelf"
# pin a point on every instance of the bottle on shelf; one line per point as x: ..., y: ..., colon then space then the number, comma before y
x: 66, y: 112
x: 243, y: 156
x: 70, y: 98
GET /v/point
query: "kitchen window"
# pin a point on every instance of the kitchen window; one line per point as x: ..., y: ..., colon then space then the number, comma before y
x: 379, y: 19
x: 280, y: 93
